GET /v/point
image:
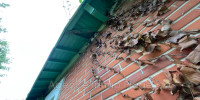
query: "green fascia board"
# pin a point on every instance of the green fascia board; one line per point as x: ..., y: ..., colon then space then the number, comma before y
x: 95, y: 13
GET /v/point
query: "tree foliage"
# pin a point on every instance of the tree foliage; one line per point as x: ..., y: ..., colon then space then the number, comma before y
x: 3, y: 45
x: 3, y: 54
x: 4, y: 5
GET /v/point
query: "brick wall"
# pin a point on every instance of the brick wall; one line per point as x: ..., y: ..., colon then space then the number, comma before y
x: 81, y: 85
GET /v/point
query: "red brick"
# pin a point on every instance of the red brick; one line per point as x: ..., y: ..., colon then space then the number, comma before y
x: 79, y: 85
x: 139, y: 22
x: 78, y: 96
x: 139, y: 28
x: 186, y: 19
x: 113, y: 63
x: 91, y: 87
x: 179, y: 3
x: 164, y: 95
x: 170, y: 3
x: 89, y: 76
x: 115, y: 78
x: 116, y: 61
x: 107, y: 61
x: 118, y: 87
x: 109, y: 74
x: 121, y: 85
x: 186, y: 62
x: 124, y: 63
x: 134, y: 93
x: 194, y: 25
x: 177, y: 51
x: 99, y: 89
x: 159, y: 64
x: 85, y: 97
x: 108, y: 93
x: 84, y: 85
x: 161, y: 76
x: 154, y: 54
x: 124, y: 72
x: 133, y: 56
x: 184, y: 9
x: 102, y: 72
x: 98, y: 97
x: 130, y: 69
x: 72, y: 95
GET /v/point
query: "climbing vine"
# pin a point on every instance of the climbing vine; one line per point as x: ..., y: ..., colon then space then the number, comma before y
x: 185, y: 81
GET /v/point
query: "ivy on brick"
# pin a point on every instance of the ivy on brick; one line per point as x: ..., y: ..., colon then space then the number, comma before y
x: 185, y: 81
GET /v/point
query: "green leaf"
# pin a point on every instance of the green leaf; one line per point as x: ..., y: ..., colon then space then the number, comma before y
x: 80, y: 1
x: 3, y: 5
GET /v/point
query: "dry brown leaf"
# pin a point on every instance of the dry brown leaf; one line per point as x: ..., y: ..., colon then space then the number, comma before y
x: 107, y: 35
x: 195, y: 92
x: 147, y: 62
x: 166, y: 25
x: 174, y: 89
x: 168, y: 75
x: 152, y: 47
x: 139, y: 49
x: 157, y: 90
x: 149, y: 97
x: 160, y: 34
x: 196, y: 98
x: 176, y: 38
x: 194, y: 56
x: 128, y: 59
x: 162, y: 10
x: 94, y: 56
x: 119, y: 58
x: 135, y: 87
x: 133, y: 42
x: 166, y: 81
x: 183, y: 39
x: 146, y: 97
x: 147, y: 39
x: 191, y: 74
x: 185, y: 45
x: 148, y: 23
x: 176, y: 78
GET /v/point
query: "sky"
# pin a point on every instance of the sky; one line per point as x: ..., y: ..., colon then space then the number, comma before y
x: 34, y: 27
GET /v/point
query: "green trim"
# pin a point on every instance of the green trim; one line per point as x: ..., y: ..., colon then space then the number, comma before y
x: 58, y: 61
x: 87, y: 30
x: 101, y: 27
x: 91, y: 10
x: 66, y: 49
